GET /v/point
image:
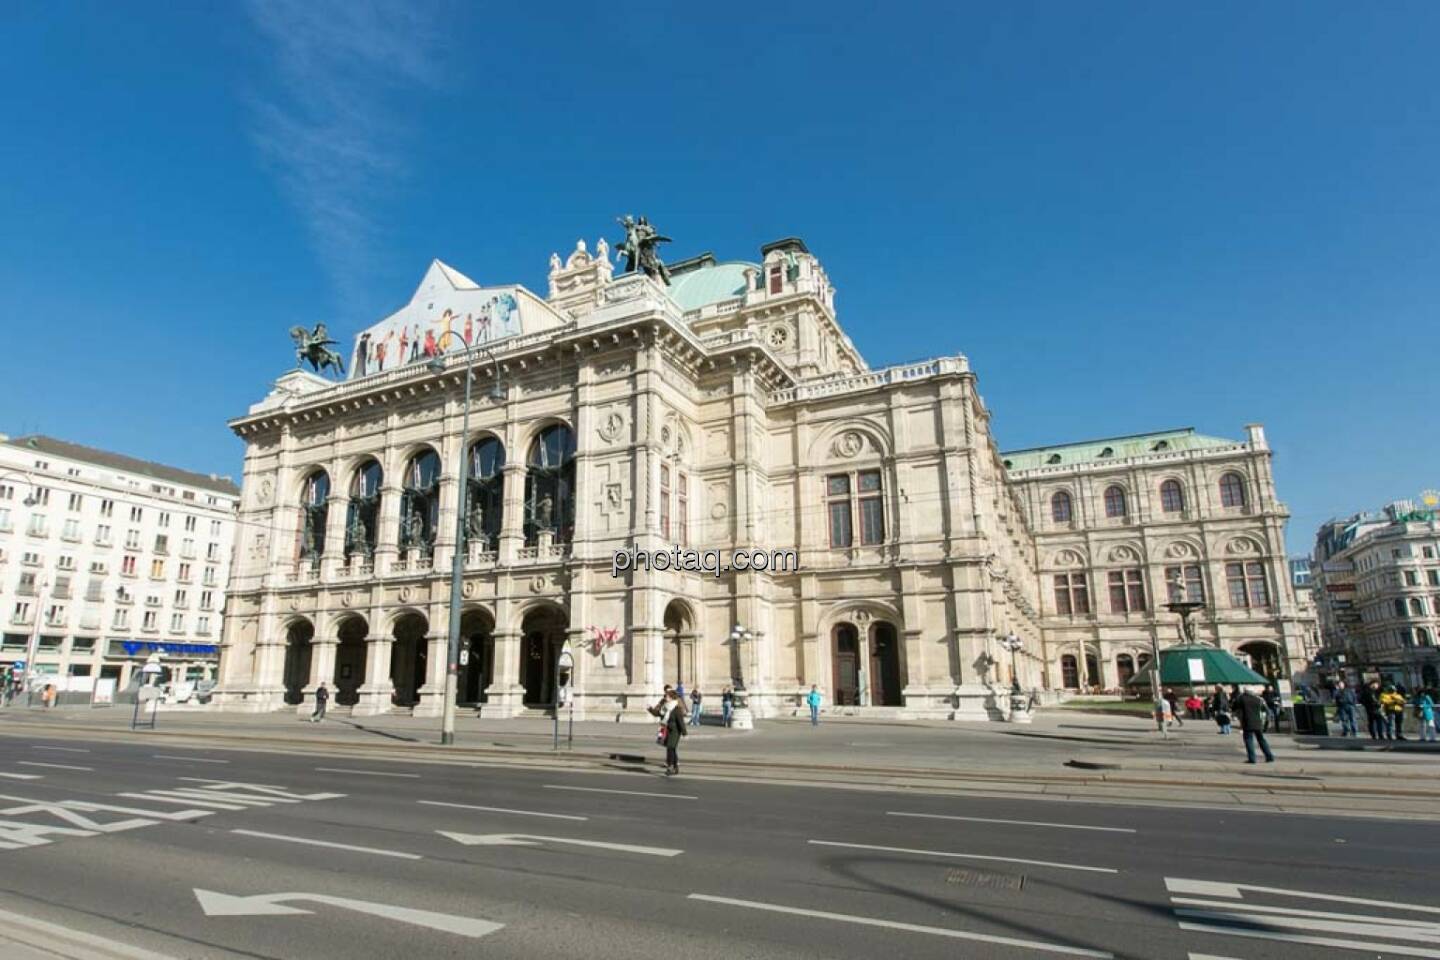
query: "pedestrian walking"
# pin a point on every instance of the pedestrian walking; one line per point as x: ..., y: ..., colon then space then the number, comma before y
x: 680, y: 692
x: 1392, y: 701
x: 1374, y: 714
x: 1271, y: 696
x: 672, y: 721
x: 695, y: 706
x: 1345, y: 709
x: 1194, y: 706
x: 322, y: 698
x: 1174, y: 706
x: 1425, y: 712
x: 813, y: 701
x: 1251, y: 711
x: 727, y: 706
x: 47, y: 696
x: 1220, y: 709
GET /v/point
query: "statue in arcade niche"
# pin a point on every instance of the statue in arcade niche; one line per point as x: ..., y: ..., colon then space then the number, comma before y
x: 307, y: 537
x: 412, y: 530
x: 314, y: 346
x: 475, y: 523
x: 357, y: 538
x: 639, y: 248
x: 545, y: 512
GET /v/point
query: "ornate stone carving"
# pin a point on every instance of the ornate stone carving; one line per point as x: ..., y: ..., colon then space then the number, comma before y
x: 347, y: 599
x: 1124, y: 554
x: 467, y: 589
x: 264, y: 491
x: 614, y: 496
x: 1179, y: 550
x: 718, y: 511
x: 611, y: 425
x: 849, y: 444
x: 405, y: 594
x: 778, y: 336
x: 1240, y: 547
x: 537, y: 585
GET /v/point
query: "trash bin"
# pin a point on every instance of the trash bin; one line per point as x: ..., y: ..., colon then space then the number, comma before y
x: 1310, y: 720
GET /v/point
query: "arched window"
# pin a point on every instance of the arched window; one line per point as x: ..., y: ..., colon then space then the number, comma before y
x: 1422, y: 636
x: 362, y: 517
x: 1069, y: 672
x: 550, y: 485
x: 1060, y: 507
x: 485, y: 498
x: 1232, y: 490
x: 314, y: 510
x: 1115, y: 501
x: 1417, y: 607
x: 1124, y: 668
x: 420, y: 505
x: 1172, y: 497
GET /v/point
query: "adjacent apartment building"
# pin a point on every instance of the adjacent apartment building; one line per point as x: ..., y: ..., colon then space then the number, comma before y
x: 1376, y: 582
x: 725, y: 409
x: 106, y: 559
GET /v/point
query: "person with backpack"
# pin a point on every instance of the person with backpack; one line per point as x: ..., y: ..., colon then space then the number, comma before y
x: 1374, y: 715
x: 1220, y: 709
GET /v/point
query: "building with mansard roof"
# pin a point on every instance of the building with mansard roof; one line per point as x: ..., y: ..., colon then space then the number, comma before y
x: 725, y: 411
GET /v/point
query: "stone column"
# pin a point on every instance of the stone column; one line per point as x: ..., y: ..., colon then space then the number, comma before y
x: 512, y: 525
x: 387, y: 538
x: 374, y: 694
x: 432, y: 690
x: 333, y: 559
x: 505, y: 697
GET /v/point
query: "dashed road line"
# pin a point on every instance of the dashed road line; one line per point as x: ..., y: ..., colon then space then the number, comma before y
x: 22, y: 776
x: 963, y: 856
x: 522, y: 813
x: 628, y: 793
x: 1019, y: 823
x: 908, y: 927
x: 166, y: 756
x: 37, y: 746
x: 54, y: 766
x: 369, y: 773
x: 326, y: 843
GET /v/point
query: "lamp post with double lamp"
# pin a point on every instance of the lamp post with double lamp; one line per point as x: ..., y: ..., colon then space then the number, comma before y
x: 33, y: 642
x: 1184, y: 609
x: 1019, y: 703
x: 741, y: 718
x: 457, y: 564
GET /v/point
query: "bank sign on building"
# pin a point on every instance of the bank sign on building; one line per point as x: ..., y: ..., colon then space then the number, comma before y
x: 725, y: 409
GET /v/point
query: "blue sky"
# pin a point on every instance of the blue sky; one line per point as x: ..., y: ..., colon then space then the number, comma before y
x: 1130, y: 216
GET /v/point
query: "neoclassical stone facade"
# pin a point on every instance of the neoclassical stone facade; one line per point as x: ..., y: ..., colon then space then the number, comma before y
x: 1117, y: 522
x: 726, y: 411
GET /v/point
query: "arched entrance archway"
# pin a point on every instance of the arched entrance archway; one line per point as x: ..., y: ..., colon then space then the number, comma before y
x: 477, y: 639
x: 297, y: 660
x: 1264, y: 658
x: 1124, y: 668
x: 845, y: 640
x: 678, y: 656
x: 1069, y: 672
x: 407, y: 659
x: 350, y: 660
x: 542, y: 637
x: 885, y: 683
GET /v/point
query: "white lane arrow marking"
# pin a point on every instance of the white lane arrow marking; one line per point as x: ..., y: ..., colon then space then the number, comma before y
x: 273, y: 905
x: 531, y: 840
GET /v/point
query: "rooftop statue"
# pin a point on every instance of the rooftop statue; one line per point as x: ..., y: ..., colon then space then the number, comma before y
x: 314, y: 345
x: 639, y: 248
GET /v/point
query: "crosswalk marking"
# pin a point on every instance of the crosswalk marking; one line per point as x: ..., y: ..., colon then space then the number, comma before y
x: 1237, y: 910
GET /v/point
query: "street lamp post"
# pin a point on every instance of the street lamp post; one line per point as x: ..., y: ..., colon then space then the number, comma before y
x: 1019, y: 704
x: 457, y: 563
x: 741, y: 718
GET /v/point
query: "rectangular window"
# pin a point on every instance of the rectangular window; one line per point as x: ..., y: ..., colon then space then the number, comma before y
x: 1072, y: 593
x: 777, y: 278
x: 682, y: 508
x: 212, y: 552
x: 837, y: 491
x: 107, y: 508
x: 665, y: 501
x: 872, y: 512
x: 102, y: 535
x: 95, y: 590
x: 207, y: 599
x: 76, y: 502
x: 164, y: 519
x: 66, y: 561
x: 1127, y: 591
x: 132, y: 539
x: 202, y: 625
x: 184, y: 573
x: 82, y: 645
x: 177, y: 623
x: 38, y: 527
x: 71, y: 531
x: 4, y: 519
x: 135, y: 514
x: 1412, y: 579
x: 189, y: 524
x: 214, y: 528
x: 127, y: 565
x: 162, y: 543
x: 1246, y: 583
x: 157, y: 569
x: 210, y: 576
x: 180, y: 598
x: 1434, y: 577
x: 148, y: 622
x: 21, y: 613
x: 1192, y: 584
x: 42, y: 496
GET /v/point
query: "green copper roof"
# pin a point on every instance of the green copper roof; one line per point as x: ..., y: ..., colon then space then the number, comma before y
x: 723, y: 281
x: 1113, y: 448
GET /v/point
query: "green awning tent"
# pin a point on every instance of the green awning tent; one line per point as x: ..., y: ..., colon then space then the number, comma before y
x: 1215, y: 666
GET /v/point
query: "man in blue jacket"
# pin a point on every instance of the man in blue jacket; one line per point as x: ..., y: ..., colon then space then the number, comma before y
x: 1345, y: 709
x: 813, y: 700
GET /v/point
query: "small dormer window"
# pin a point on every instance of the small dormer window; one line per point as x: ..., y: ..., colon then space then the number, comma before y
x: 1054, y: 458
x: 1161, y: 445
x: 777, y: 278
x: 1108, y: 452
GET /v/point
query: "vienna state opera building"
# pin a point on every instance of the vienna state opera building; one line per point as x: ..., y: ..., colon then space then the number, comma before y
x: 710, y: 409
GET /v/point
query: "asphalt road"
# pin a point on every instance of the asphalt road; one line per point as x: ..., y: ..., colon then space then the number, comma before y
x: 157, y: 847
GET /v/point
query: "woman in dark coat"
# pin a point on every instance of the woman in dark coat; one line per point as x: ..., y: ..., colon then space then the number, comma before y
x: 1220, y: 709
x: 674, y: 721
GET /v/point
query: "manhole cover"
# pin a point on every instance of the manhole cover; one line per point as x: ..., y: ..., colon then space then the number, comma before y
x: 985, y: 879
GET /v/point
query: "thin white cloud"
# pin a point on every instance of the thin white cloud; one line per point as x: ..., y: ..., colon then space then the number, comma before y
x: 326, y: 118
